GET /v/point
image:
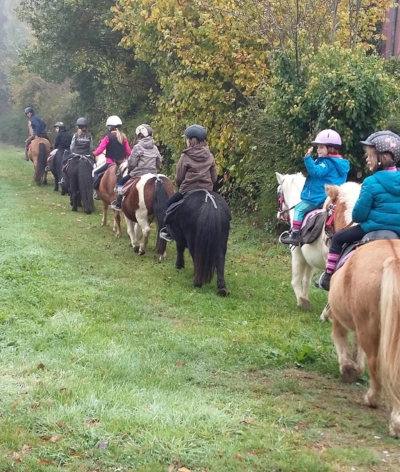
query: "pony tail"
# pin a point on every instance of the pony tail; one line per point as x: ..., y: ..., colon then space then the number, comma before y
x: 120, y: 136
x: 389, y: 347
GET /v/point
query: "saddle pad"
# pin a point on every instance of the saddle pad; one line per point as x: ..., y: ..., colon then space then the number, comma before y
x: 313, y: 226
x: 125, y: 189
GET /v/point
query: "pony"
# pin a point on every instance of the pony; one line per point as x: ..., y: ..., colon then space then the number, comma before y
x: 145, y: 200
x: 307, y: 258
x: 107, y: 195
x: 56, y: 170
x: 79, y: 175
x: 364, y: 297
x: 202, y: 224
x: 38, y: 153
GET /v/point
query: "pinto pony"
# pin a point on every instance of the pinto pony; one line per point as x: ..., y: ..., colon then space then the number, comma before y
x: 308, y: 257
x: 80, y: 183
x: 364, y: 297
x: 38, y: 153
x: 202, y: 224
x: 145, y: 200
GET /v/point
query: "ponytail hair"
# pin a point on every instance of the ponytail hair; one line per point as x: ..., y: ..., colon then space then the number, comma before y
x: 120, y: 136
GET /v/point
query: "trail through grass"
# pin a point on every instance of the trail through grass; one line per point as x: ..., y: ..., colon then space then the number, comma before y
x: 114, y: 362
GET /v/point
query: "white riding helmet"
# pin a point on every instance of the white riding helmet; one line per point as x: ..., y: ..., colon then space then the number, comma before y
x: 114, y: 120
x: 145, y: 130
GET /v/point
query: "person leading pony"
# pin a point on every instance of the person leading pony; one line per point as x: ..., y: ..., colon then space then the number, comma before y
x: 378, y: 206
x: 328, y: 168
x: 196, y: 169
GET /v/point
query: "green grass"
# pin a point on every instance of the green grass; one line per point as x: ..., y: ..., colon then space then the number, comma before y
x: 111, y: 361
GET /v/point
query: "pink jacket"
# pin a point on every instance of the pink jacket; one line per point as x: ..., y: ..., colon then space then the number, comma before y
x: 103, y: 145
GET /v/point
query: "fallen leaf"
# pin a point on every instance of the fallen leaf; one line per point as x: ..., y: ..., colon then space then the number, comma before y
x: 256, y: 451
x: 63, y: 390
x: 54, y: 439
x: 180, y: 364
x: 238, y: 457
x: 62, y: 424
x: 91, y: 422
x: 14, y: 406
x: 25, y: 449
x: 171, y: 468
x: 41, y: 366
x: 15, y: 456
x: 183, y: 469
x: 249, y: 294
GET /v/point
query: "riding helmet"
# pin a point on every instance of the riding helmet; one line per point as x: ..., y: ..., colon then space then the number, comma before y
x: 385, y: 141
x: 28, y: 110
x: 145, y: 130
x: 58, y: 124
x: 328, y: 137
x: 81, y: 122
x: 195, y: 131
x: 114, y: 120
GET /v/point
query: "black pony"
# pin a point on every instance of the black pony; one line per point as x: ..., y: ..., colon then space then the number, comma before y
x: 56, y: 170
x: 80, y: 180
x: 201, y: 224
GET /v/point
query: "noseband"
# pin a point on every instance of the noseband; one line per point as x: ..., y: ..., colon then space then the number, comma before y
x: 283, y: 211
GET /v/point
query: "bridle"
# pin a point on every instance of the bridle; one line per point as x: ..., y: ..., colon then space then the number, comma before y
x: 283, y: 210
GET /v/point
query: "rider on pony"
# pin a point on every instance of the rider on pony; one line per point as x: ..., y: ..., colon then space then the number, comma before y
x: 328, y: 168
x: 196, y: 169
x: 81, y: 144
x: 62, y: 143
x: 144, y: 159
x: 378, y: 206
x: 115, y: 145
x: 38, y: 127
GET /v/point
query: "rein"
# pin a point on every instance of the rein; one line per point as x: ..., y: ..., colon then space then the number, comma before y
x: 283, y: 213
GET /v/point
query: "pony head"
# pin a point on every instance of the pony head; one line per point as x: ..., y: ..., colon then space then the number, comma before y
x: 342, y: 198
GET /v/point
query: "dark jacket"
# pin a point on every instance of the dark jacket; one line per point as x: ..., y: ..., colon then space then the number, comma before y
x: 63, y: 140
x: 145, y: 158
x: 115, y: 150
x: 378, y: 206
x: 82, y: 144
x: 196, y: 169
x: 38, y: 125
x: 331, y: 170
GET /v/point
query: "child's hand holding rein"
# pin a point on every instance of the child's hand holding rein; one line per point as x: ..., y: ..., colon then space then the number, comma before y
x: 310, y: 151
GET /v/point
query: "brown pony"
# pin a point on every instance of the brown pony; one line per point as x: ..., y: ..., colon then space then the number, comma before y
x: 38, y: 152
x: 146, y: 200
x: 364, y: 297
x: 107, y: 195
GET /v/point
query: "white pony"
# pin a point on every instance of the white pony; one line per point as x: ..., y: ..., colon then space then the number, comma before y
x: 307, y: 258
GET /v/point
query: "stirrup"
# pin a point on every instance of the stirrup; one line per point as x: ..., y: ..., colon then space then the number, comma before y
x: 165, y: 235
x: 114, y: 206
x: 95, y: 195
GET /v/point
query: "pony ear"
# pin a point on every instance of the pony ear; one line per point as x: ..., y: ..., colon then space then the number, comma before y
x: 332, y: 191
x: 279, y: 178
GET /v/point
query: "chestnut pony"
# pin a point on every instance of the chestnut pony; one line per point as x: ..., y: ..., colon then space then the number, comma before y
x: 364, y: 297
x: 107, y: 194
x: 38, y: 152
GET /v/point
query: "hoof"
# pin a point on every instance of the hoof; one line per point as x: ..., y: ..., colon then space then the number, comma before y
x: 136, y: 249
x: 394, y: 425
x: 304, y: 303
x: 197, y: 285
x: 223, y: 292
x: 162, y: 258
x: 179, y: 266
x: 349, y: 374
x: 74, y: 209
x: 370, y: 400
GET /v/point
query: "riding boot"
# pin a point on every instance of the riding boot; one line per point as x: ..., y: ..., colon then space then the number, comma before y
x: 164, y: 234
x: 293, y: 239
x: 324, y: 281
x: 116, y: 204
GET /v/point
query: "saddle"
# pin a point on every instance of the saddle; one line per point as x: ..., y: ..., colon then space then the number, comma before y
x: 80, y: 156
x: 312, y: 226
x: 348, y: 249
x: 171, y: 210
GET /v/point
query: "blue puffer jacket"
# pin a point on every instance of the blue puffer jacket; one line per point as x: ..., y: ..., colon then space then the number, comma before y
x: 378, y: 206
x: 331, y: 170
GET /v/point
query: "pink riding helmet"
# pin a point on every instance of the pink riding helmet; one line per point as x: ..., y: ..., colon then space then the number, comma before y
x: 328, y: 137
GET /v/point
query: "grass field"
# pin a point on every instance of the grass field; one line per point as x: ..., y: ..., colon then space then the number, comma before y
x: 114, y: 362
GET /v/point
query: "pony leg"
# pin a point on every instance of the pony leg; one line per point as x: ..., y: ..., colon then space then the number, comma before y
x: 394, y: 423
x: 221, y: 287
x: 347, y: 366
x: 144, y: 226
x: 134, y: 233
x: 326, y: 313
x: 104, y: 218
x: 299, y: 266
x: 117, y: 224
x: 180, y: 259
x: 371, y: 345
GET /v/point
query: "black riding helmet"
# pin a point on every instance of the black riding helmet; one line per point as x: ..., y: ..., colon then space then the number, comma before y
x: 81, y: 122
x: 385, y: 141
x: 195, y: 131
x: 28, y: 110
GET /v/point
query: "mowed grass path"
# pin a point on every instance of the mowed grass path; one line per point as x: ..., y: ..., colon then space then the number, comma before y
x: 114, y: 362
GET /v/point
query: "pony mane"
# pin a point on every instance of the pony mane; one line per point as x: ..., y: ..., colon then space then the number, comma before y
x: 348, y: 194
x: 294, y: 181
